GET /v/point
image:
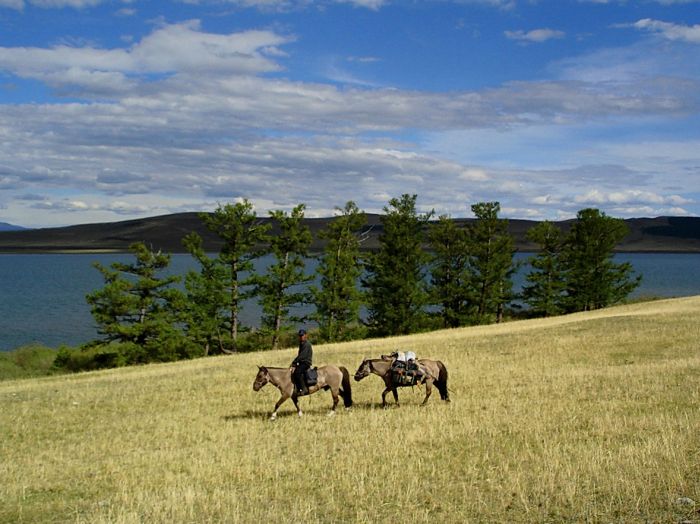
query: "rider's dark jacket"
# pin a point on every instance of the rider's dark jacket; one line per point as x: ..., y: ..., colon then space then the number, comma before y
x: 305, y: 354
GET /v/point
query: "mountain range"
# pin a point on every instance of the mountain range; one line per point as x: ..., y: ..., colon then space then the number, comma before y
x: 660, y: 234
x: 4, y: 226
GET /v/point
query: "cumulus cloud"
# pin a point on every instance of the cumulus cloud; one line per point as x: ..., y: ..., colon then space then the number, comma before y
x: 662, y: 2
x: 12, y: 4
x: 629, y: 196
x: 670, y: 31
x: 179, y: 48
x: 198, y: 118
x: 370, y: 4
x: 50, y: 4
x: 535, y: 35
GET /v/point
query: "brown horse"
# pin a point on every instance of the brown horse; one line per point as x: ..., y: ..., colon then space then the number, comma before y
x: 382, y: 368
x: 335, y: 378
x: 437, y: 369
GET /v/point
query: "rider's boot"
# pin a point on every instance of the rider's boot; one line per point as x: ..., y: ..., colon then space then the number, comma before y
x: 301, y: 388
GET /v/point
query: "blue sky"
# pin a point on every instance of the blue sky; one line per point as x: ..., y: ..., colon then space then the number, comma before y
x: 111, y: 110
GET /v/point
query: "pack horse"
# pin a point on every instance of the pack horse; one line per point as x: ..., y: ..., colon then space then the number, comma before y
x: 432, y: 372
x: 333, y: 378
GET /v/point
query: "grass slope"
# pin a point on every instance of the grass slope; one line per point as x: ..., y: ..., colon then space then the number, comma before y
x: 590, y: 417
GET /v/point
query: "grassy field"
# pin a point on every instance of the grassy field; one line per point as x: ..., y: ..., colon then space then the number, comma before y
x: 591, y: 417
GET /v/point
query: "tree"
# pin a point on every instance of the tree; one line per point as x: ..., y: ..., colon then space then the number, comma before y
x: 395, y: 285
x: 135, y: 307
x: 205, y: 312
x: 276, y: 289
x: 545, y: 288
x: 592, y: 279
x: 490, y: 261
x: 450, y: 283
x: 230, y: 273
x: 338, y: 299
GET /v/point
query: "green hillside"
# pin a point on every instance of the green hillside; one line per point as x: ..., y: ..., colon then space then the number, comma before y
x: 592, y: 417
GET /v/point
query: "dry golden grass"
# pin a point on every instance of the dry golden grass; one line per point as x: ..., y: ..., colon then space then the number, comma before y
x: 591, y: 417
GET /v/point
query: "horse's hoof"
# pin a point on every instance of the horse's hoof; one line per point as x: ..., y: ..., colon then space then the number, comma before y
x: 300, y: 414
x: 331, y: 413
x: 273, y: 416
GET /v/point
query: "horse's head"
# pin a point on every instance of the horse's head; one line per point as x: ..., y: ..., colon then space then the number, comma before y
x: 364, y: 370
x: 262, y: 378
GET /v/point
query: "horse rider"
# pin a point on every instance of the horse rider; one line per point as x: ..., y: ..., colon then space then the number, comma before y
x: 302, y: 363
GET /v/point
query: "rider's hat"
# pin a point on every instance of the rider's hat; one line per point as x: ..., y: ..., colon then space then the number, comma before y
x: 302, y: 332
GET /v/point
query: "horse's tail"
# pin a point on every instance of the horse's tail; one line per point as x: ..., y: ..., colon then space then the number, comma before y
x: 441, y: 382
x: 346, y: 390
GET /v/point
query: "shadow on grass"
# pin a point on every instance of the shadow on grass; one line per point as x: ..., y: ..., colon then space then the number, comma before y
x: 282, y: 413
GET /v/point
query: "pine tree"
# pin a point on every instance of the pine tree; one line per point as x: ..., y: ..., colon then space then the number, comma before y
x: 135, y: 307
x: 593, y: 280
x: 545, y: 289
x: 230, y: 273
x: 490, y: 261
x: 338, y: 299
x: 205, y: 313
x: 450, y: 283
x: 281, y: 288
x: 395, y: 286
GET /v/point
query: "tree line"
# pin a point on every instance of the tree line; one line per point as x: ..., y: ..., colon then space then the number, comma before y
x: 427, y: 273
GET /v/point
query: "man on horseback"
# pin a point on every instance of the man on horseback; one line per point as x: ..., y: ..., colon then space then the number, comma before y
x: 302, y: 363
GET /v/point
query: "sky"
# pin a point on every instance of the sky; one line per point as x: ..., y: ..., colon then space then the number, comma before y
x: 118, y: 109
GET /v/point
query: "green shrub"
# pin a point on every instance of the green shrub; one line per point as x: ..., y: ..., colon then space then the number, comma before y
x: 27, y: 361
x: 90, y: 357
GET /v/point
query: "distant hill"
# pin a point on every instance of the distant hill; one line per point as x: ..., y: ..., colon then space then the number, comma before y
x: 661, y: 234
x: 4, y: 226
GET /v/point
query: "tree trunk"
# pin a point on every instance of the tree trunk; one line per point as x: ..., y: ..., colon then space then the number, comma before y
x: 234, y: 305
x: 277, y: 323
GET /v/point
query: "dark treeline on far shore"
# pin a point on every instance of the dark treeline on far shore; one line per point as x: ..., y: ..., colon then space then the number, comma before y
x: 423, y: 273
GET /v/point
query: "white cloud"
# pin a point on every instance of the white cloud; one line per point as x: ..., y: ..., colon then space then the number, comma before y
x: 195, y: 118
x: 670, y: 31
x: 370, y: 4
x: 54, y: 4
x: 535, y: 35
x: 662, y: 2
x: 12, y: 4
x: 50, y: 4
x: 599, y: 197
x: 179, y: 48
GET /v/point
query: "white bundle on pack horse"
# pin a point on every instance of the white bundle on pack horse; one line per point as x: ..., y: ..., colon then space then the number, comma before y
x: 402, y: 369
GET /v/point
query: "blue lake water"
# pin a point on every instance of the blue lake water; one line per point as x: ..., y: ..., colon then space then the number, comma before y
x: 42, y: 296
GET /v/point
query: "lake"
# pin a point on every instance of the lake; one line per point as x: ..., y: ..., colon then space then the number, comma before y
x: 42, y: 296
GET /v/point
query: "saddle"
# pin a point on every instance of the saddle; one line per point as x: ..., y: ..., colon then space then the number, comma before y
x: 311, y: 376
x: 405, y: 373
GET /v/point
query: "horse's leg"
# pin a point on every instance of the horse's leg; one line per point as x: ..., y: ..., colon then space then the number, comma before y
x: 428, y: 391
x: 295, y: 399
x: 334, y: 394
x: 279, y: 403
x: 396, y: 396
x: 384, y: 396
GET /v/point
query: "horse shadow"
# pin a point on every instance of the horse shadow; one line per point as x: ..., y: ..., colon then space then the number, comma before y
x: 250, y: 414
